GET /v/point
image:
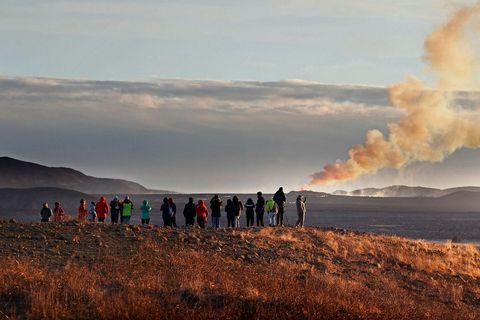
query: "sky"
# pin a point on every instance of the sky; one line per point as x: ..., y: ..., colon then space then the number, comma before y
x: 212, y: 96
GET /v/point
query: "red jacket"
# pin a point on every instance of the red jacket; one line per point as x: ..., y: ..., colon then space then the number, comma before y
x: 201, y: 209
x: 102, y: 208
x: 82, y: 211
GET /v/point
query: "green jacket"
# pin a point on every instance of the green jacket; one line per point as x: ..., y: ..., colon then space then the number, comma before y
x: 145, y: 208
x: 127, y: 209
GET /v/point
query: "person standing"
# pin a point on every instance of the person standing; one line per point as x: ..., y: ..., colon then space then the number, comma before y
x: 260, y: 208
x: 127, y: 210
x: 280, y: 199
x: 173, y: 212
x: 301, y: 210
x: 250, y: 212
x: 58, y: 213
x: 145, y: 208
x: 115, y: 209
x: 202, y: 214
x: 216, y: 207
x: 238, y: 205
x: 82, y: 211
x: 230, y: 210
x: 272, y: 209
x: 92, y: 214
x: 102, y: 209
x: 165, y: 209
x: 45, y: 213
x: 189, y: 213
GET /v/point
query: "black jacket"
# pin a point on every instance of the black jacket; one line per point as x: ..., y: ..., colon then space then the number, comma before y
x: 280, y: 198
x: 260, y: 206
x: 189, y: 210
x: 216, y: 206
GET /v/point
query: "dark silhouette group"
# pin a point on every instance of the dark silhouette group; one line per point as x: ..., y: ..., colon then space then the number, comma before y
x: 121, y: 211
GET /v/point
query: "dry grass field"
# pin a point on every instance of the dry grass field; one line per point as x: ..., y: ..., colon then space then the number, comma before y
x: 71, y: 271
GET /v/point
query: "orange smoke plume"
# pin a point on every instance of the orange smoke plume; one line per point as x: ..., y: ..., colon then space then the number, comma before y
x: 432, y: 127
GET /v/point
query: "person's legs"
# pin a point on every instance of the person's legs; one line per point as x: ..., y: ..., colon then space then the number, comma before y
x: 143, y: 221
x: 237, y: 222
x: 101, y: 219
x: 280, y: 216
x: 114, y: 217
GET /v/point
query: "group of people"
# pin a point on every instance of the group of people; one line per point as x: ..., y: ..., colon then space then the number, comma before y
x: 273, y: 207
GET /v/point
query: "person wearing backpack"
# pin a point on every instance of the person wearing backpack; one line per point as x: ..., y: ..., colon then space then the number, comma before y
x: 145, y: 208
x: 82, y: 211
x: 115, y: 209
x: 216, y: 207
x: 250, y: 212
x: 173, y: 212
x: 238, y: 205
x: 102, y: 209
x: 45, y: 213
x: 260, y: 208
x: 301, y: 210
x: 230, y: 210
x: 271, y: 209
x: 92, y: 214
x: 189, y: 213
x: 166, y: 215
x: 280, y: 199
x: 202, y: 213
x: 127, y: 210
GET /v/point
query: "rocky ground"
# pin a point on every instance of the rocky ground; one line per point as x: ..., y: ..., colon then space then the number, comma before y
x: 398, y: 278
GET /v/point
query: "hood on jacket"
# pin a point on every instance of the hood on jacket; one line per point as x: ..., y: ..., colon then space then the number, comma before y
x: 103, y: 199
x: 145, y: 202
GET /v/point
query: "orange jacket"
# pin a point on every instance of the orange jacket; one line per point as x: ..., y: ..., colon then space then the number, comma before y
x: 58, y: 213
x: 102, y: 208
x: 82, y: 211
x: 201, y: 209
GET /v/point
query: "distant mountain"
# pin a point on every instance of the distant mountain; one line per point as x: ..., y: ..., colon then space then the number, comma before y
x: 21, y: 174
x: 405, y: 192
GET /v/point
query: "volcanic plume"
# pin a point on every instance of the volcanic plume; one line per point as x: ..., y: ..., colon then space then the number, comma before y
x: 432, y: 127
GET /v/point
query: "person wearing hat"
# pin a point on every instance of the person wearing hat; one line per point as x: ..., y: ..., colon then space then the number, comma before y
x: 127, y: 209
x: 260, y: 208
x: 115, y: 209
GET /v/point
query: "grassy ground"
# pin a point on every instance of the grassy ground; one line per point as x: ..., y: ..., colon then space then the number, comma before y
x: 75, y: 270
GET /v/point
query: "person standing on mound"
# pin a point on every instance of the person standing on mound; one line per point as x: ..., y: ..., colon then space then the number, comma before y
x: 45, y: 213
x: 301, y: 210
x: 115, y: 209
x: 173, y: 212
x: 272, y: 209
x: 92, y: 214
x: 127, y: 209
x: 166, y: 213
x: 58, y: 213
x: 202, y: 214
x: 260, y: 208
x: 145, y: 208
x: 250, y: 212
x: 216, y: 207
x: 189, y: 213
x: 102, y: 209
x: 238, y: 205
x: 280, y: 199
x: 82, y: 211
x: 230, y: 210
